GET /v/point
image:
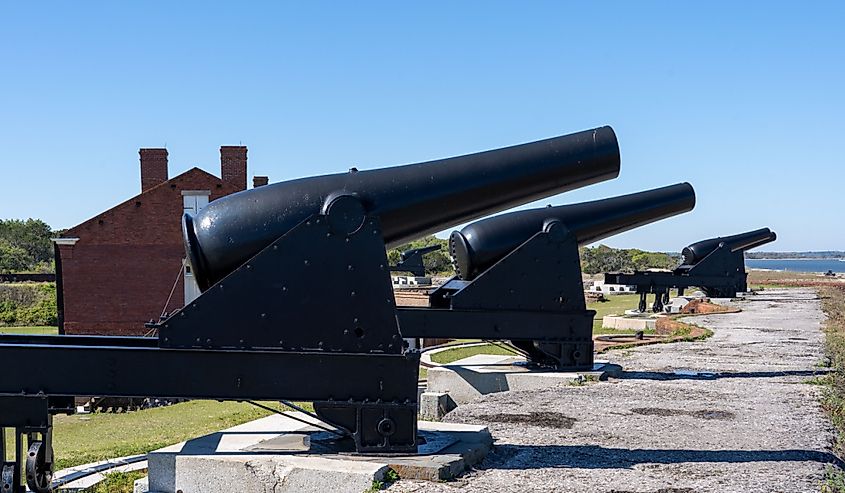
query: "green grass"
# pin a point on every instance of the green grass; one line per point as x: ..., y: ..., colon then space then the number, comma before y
x: 84, y: 438
x: 117, y: 482
x: 451, y: 355
x: 30, y: 330
x: 834, y: 480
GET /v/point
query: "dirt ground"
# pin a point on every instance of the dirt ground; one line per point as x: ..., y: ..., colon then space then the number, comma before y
x: 734, y: 413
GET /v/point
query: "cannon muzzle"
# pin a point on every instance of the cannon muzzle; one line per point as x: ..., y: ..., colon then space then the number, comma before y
x: 410, y: 201
x: 692, y: 254
x: 481, y: 244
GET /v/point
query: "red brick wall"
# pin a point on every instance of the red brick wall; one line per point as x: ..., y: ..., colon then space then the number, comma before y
x: 153, y: 167
x: 233, y: 165
x: 114, y: 289
x: 119, y: 274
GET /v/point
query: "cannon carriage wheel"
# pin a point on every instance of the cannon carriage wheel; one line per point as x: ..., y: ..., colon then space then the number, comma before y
x: 39, y: 471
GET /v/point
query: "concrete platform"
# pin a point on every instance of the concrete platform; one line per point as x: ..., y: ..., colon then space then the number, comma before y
x: 280, y: 454
x: 469, y: 378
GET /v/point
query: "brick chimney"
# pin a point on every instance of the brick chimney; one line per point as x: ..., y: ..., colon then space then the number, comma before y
x: 260, y: 181
x: 233, y: 166
x: 153, y: 167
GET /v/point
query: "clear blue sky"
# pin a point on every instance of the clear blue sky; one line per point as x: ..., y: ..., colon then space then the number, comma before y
x: 742, y: 99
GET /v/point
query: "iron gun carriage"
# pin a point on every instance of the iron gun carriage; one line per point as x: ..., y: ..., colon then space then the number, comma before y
x: 518, y: 276
x: 268, y: 325
x: 716, y: 265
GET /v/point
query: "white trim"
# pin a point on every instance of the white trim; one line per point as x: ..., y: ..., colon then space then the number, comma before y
x: 196, y: 192
x: 64, y: 241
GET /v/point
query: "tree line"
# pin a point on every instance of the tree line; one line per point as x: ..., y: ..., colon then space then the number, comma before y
x: 594, y: 260
x: 828, y: 254
x: 25, y: 246
x: 436, y: 262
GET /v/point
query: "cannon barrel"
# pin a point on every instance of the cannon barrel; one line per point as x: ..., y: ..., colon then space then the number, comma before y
x: 481, y: 244
x: 411, y: 200
x: 692, y: 254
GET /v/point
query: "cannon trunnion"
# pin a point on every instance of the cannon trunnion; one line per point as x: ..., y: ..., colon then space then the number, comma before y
x: 716, y: 265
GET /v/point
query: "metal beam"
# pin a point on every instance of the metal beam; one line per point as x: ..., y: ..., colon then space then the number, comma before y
x: 492, y: 324
x: 666, y: 279
x: 55, y: 370
x: 79, y: 340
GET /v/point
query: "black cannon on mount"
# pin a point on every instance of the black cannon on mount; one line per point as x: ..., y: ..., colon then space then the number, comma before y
x: 297, y: 302
x: 717, y: 266
x: 518, y: 276
x: 412, y: 260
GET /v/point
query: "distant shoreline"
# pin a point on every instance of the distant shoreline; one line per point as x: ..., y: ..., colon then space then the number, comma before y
x: 802, y: 258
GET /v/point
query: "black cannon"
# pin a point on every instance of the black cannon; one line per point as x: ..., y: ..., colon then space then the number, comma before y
x: 716, y: 265
x: 518, y: 276
x: 412, y: 260
x: 297, y: 301
x: 409, y: 201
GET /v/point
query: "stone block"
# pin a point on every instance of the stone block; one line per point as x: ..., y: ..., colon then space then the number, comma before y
x: 435, y: 405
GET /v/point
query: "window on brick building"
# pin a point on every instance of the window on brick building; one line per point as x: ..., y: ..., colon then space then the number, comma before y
x: 192, y: 202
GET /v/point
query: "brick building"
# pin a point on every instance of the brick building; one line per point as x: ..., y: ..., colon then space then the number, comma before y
x: 118, y: 269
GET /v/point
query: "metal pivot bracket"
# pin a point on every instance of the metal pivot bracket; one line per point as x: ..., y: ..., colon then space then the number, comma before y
x: 322, y: 286
x: 376, y: 427
x: 725, y: 264
x: 412, y: 260
x: 540, y: 278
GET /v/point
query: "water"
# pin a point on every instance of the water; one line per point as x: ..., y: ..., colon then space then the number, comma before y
x: 797, y: 265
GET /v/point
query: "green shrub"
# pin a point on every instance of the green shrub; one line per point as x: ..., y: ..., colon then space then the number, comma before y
x: 28, y: 304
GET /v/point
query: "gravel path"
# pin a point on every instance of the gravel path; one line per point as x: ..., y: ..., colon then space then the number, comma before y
x: 751, y: 423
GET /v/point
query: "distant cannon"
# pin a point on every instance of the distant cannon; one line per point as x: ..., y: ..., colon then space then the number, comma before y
x: 698, y: 251
x: 479, y: 245
x: 297, y: 294
x: 518, y: 276
x: 412, y: 260
x: 716, y: 265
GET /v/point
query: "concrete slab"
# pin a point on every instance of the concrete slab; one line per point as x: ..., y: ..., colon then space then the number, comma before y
x: 619, y: 322
x: 270, y: 454
x: 472, y: 377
